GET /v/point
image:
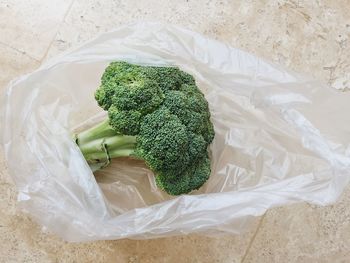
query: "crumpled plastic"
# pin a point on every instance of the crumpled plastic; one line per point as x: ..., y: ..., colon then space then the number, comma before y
x: 280, y: 138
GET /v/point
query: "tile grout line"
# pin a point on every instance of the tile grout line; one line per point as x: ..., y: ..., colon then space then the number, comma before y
x: 58, y: 29
x: 19, y: 51
x: 253, y: 238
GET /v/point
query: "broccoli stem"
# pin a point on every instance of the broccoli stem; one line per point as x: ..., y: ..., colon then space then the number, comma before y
x: 102, y: 129
x: 101, y: 143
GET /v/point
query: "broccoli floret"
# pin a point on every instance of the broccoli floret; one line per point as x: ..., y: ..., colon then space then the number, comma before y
x: 156, y: 114
x: 163, y: 141
x: 126, y: 121
x: 193, y: 178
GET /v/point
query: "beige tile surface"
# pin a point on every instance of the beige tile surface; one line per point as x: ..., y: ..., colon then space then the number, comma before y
x: 304, y: 234
x: 30, y: 25
x: 14, y: 63
x: 309, y: 36
x: 90, y: 17
x: 24, y: 242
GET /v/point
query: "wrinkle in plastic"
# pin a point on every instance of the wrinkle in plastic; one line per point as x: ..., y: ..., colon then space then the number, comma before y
x: 280, y: 138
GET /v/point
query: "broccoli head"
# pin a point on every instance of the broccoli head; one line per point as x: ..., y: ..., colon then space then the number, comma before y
x: 156, y: 114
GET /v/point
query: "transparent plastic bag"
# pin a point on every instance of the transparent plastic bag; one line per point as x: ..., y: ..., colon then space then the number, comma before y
x: 280, y: 138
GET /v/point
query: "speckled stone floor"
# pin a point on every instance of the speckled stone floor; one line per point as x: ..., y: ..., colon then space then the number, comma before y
x: 309, y: 36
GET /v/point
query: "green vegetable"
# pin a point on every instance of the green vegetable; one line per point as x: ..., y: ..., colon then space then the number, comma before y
x: 156, y: 114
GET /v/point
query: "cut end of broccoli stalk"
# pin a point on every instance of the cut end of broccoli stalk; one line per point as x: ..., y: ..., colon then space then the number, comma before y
x: 101, y: 143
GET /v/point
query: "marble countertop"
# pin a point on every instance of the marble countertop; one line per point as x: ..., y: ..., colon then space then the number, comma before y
x: 307, y: 36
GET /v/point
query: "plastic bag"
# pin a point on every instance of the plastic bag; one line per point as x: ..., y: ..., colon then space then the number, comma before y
x: 280, y: 138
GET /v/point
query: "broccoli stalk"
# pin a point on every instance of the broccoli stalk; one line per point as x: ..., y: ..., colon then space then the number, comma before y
x: 101, y: 143
x: 155, y: 114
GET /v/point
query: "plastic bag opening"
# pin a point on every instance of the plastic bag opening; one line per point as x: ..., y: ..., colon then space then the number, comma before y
x: 280, y: 138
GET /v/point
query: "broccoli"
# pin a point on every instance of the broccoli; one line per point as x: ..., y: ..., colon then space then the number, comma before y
x: 156, y: 114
